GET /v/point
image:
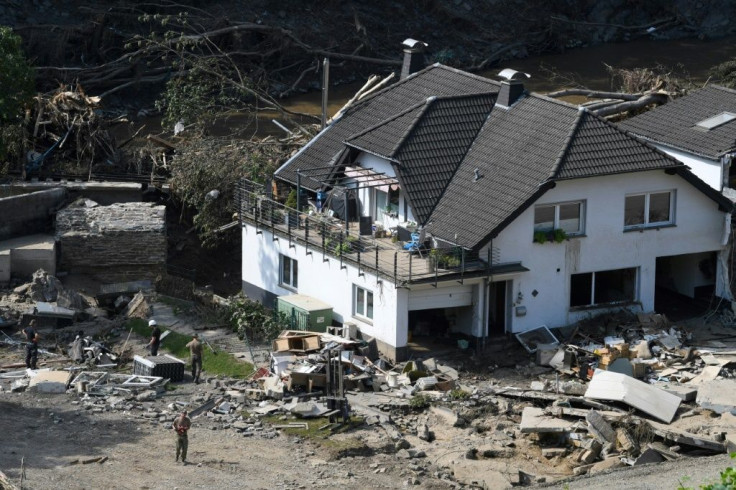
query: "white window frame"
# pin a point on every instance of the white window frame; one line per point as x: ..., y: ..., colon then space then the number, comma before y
x: 363, y: 305
x: 293, y: 267
x: 556, y: 222
x: 647, y: 223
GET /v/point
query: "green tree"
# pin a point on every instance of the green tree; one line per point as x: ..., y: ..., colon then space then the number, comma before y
x: 16, y: 92
x: 16, y: 77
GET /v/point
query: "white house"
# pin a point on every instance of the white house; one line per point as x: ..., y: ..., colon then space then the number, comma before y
x: 698, y: 129
x: 528, y: 212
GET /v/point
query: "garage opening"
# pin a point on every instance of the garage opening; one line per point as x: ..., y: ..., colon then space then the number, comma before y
x: 439, y: 329
x: 685, y: 284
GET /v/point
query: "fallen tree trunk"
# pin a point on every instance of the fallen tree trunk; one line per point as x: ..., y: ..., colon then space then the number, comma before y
x: 593, y: 94
x: 639, y: 103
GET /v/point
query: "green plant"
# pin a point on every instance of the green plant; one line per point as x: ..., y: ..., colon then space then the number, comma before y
x: 419, y: 402
x: 459, y: 394
x: 540, y: 236
x: 728, y: 480
x: 559, y: 235
x: 291, y: 199
x: 251, y: 318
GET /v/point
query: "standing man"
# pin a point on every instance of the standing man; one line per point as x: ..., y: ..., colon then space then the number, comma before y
x: 195, y: 351
x: 31, y: 345
x: 155, y: 337
x: 181, y: 426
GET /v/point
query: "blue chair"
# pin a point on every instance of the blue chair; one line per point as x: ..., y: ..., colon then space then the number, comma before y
x: 413, y: 245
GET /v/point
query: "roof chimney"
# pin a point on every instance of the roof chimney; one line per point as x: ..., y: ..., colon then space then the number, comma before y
x: 413, y: 57
x: 512, y: 88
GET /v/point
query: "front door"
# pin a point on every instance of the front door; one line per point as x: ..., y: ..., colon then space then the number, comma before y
x: 497, y: 308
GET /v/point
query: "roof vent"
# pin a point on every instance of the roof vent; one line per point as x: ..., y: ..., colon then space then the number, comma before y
x: 413, y: 57
x: 512, y: 88
x: 477, y: 175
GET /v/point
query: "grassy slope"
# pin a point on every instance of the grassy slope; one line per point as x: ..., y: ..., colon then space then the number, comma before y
x: 212, y: 364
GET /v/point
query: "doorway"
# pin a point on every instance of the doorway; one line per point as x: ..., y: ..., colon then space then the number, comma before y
x: 497, y: 308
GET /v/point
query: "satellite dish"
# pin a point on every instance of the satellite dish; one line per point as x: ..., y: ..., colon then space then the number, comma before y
x: 511, y: 74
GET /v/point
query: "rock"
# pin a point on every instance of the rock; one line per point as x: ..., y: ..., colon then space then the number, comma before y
x: 424, y: 433
x: 551, y: 452
x: 146, y: 396
x: 448, y: 416
x: 402, y: 444
x: 606, y: 464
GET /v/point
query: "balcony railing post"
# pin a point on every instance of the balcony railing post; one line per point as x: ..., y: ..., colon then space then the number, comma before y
x: 396, y: 268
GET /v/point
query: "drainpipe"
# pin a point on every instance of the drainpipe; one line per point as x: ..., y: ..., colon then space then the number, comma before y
x: 484, y: 315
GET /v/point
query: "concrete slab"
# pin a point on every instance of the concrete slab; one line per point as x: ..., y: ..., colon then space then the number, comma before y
x: 49, y: 381
x: 533, y: 419
x: 718, y: 395
x: 686, y: 393
x: 29, y: 253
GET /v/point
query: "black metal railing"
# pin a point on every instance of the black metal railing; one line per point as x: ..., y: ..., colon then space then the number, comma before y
x: 328, y: 237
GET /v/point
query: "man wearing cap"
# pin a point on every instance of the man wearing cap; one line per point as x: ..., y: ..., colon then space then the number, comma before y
x: 195, y: 351
x: 155, y: 337
x: 31, y: 345
x: 181, y: 426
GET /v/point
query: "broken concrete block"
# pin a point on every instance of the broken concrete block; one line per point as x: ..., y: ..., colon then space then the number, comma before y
x: 606, y: 464
x: 626, y: 441
x: 551, y: 452
x: 601, y: 430
x: 718, y: 395
x: 545, y: 353
x: 533, y: 419
x: 658, y: 403
x: 447, y: 416
x: 572, y: 388
x: 426, y: 383
x: 649, y: 456
x: 49, y: 382
x: 19, y: 385
x: 686, y: 393
x: 640, y: 350
x: 538, y: 385
x: 590, y: 455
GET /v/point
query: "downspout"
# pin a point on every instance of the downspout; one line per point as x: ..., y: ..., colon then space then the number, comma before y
x: 725, y: 261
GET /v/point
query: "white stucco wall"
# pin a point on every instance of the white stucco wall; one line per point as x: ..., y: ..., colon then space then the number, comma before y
x: 699, y: 228
x: 377, y: 164
x: 710, y: 171
x: 327, y: 282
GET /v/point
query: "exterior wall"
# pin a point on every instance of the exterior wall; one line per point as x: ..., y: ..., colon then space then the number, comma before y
x: 605, y: 246
x: 327, y: 282
x: 366, y: 160
x: 684, y: 273
x: 27, y: 214
x: 710, y: 171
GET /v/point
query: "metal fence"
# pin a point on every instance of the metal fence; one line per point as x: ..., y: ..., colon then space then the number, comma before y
x: 337, y: 240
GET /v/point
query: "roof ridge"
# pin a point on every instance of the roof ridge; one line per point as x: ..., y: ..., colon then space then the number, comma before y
x: 719, y: 87
x: 434, y: 66
x: 389, y: 119
x: 566, y: 145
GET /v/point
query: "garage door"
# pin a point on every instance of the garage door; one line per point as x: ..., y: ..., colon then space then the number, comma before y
x: 451, y: 297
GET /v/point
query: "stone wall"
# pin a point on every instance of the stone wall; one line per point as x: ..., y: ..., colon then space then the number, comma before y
x: 124, y: 241
x: 28, y: 214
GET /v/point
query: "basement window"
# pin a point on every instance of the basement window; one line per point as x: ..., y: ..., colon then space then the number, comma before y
x: 715, y: 121
x: 603, y: 288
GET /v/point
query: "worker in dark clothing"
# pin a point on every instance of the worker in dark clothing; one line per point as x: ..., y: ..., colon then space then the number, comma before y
x: 31, y: 345
x: 155, y: 337
x: 181, y: 426
x: 195, y: 350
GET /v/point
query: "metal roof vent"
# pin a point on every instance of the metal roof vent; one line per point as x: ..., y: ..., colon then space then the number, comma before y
x: 413, y: 57
x: 512, y: 87
x: 477, y: 175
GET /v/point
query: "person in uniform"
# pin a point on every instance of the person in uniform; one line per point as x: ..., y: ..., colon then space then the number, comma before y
x: 31, y: 345
x: 195, y: 351
x: 155, y: 337
x: 181, y: 426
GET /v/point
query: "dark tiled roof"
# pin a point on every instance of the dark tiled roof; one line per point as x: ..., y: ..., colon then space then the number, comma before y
x: 519, y: 153
x: 673, y: 124
x: 436, y: 80
x: 427, y: 143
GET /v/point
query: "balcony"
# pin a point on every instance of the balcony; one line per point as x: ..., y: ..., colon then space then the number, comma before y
x: 335, y: 239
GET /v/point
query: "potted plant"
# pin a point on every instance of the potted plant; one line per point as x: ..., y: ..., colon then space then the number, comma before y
x: 558, y: 235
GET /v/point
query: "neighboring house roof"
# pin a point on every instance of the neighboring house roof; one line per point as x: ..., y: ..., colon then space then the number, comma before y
x: 427, y: 143
x: 520, y: 153
x: 675, y: 123
x: 436, y: 80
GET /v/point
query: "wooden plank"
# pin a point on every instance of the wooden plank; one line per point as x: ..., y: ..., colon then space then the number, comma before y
x: 606, y: 385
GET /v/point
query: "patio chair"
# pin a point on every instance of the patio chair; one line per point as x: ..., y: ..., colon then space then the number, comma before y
x: 415, y: 245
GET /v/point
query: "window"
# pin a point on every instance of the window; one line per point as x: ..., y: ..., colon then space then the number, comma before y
x: 566, y: 216
x: 715, y: 121
x: 289, y: 272
x: 603, y: 287
x: 362, y: 302
x: 650, y: 209
x: 386, y: 202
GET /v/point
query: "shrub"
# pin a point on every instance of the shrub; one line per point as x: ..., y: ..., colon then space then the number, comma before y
x: 419, y: 402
